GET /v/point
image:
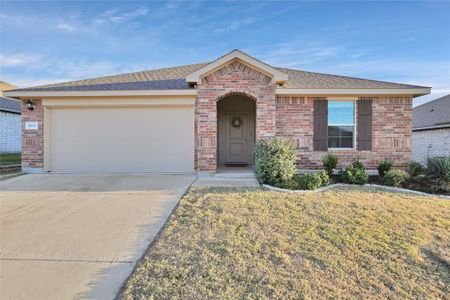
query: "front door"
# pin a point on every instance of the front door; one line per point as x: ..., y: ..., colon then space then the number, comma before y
x: 236, y: 139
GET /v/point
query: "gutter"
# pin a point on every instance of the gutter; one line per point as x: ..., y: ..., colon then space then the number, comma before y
x: 180, y: 92
x: 11, y: 111
x: 360, y: 92
x: 435, y: 127
x: 193, y: 92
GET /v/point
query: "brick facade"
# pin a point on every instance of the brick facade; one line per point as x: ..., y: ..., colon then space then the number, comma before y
x: 233, y: 78
x: 391, y: 130
x: 33, y: 140
x: 290, y: 117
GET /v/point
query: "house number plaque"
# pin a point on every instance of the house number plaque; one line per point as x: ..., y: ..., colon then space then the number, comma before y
x: 32, y: 125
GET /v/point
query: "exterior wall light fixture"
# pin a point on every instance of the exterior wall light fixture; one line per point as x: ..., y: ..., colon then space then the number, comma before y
x: 30, y: 105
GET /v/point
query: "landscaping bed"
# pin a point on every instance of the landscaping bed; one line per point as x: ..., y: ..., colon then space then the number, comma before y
x: 230, y: 243
x: 276, y: 159
x: 408, y: 184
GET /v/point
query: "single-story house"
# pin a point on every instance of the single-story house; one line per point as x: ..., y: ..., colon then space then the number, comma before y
x: 196, y: 118
x: 10, y: 122
x: 431, y: 129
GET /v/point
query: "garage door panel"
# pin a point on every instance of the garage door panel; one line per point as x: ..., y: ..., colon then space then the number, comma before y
x: 122, y: 139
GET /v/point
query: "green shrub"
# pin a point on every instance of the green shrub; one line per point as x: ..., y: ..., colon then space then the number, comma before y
x: 308, y: 181
x: 275, y: 160
x: 324, y: 176
x: 438, y: 169
x: 395, y: 177
x: 330, y: 162
x: 416, y: 169
x: 355, y: 174
x: 384, y: 167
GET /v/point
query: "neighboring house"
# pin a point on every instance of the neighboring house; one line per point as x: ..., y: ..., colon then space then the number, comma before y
x: 200, y: 117
x: 10, y: 123
x: 431, y: 129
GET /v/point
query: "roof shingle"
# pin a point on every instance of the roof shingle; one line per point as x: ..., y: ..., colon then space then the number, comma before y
x: 10, y: 105
x: 435, y: 113
x: 175, y: 78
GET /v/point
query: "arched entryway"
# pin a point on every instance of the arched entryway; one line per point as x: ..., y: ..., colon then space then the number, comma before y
x: 236, y: 124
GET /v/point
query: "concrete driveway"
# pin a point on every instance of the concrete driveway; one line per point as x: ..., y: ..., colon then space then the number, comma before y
x: 79, y: 236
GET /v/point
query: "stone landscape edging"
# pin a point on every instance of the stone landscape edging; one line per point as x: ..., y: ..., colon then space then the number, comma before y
x: 332, y: 186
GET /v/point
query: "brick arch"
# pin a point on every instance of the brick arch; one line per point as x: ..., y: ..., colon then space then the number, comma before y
x: 236, y: 93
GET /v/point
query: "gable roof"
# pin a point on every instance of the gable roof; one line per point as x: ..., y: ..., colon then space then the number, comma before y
x: 276, y: 74
x: 10, y: 105
x: 432, y: 115
x: 178, y: 79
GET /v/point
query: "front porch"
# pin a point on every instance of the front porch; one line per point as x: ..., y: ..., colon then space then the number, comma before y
x: 228, y: 176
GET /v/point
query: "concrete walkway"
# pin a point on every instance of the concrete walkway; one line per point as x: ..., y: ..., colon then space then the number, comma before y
x: 79, y: 236
x: 228, y: 177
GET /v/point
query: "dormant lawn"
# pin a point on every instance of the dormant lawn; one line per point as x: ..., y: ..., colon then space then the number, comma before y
x: 225, y: 243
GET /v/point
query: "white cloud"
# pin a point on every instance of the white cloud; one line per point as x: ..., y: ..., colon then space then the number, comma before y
x: 52, y: 70
x: 114, y: 17
x: 291, y: 55
x: 8, y: 61
x: 20, y: 59
x: 66, y: 27
x: 234, y: 25
x: 23, y: 82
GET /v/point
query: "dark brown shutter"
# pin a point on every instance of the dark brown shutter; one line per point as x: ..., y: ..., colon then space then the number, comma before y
x: 364, y: 124
x: 320, y: 125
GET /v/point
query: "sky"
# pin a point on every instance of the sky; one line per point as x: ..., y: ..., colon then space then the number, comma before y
x: 47, y: 42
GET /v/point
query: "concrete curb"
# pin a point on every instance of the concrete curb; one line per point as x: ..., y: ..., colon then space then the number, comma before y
x: 401, y: 190
x: 321, y: 189
x: 336, y: 185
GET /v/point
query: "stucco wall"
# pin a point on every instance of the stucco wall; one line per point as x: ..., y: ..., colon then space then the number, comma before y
x: 430, y: 143
x: 391, y: 132
x: 10, y: 132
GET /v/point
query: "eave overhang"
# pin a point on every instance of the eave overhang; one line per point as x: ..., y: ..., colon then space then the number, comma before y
x: 38, y: 94
x: 415, y: 92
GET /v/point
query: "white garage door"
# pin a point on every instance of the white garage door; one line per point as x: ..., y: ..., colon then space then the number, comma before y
x: 122, y: 139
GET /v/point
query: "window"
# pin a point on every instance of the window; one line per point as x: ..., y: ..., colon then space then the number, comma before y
x: 341, y: 124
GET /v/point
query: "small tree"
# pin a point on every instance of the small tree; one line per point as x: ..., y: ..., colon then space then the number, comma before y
x: 275, y: 160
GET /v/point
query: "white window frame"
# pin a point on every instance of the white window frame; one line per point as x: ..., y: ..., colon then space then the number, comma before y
x: 354, y: 124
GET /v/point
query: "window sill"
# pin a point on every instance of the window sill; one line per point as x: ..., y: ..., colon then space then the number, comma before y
x: 337, y: 149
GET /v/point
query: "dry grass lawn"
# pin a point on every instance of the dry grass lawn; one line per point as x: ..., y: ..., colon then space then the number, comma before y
x: 253, y: 244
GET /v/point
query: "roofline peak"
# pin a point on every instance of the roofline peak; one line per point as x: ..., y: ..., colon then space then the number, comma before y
x: 274, y: 73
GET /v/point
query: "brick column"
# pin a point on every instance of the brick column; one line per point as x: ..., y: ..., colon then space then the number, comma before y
x: 33, y: 140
